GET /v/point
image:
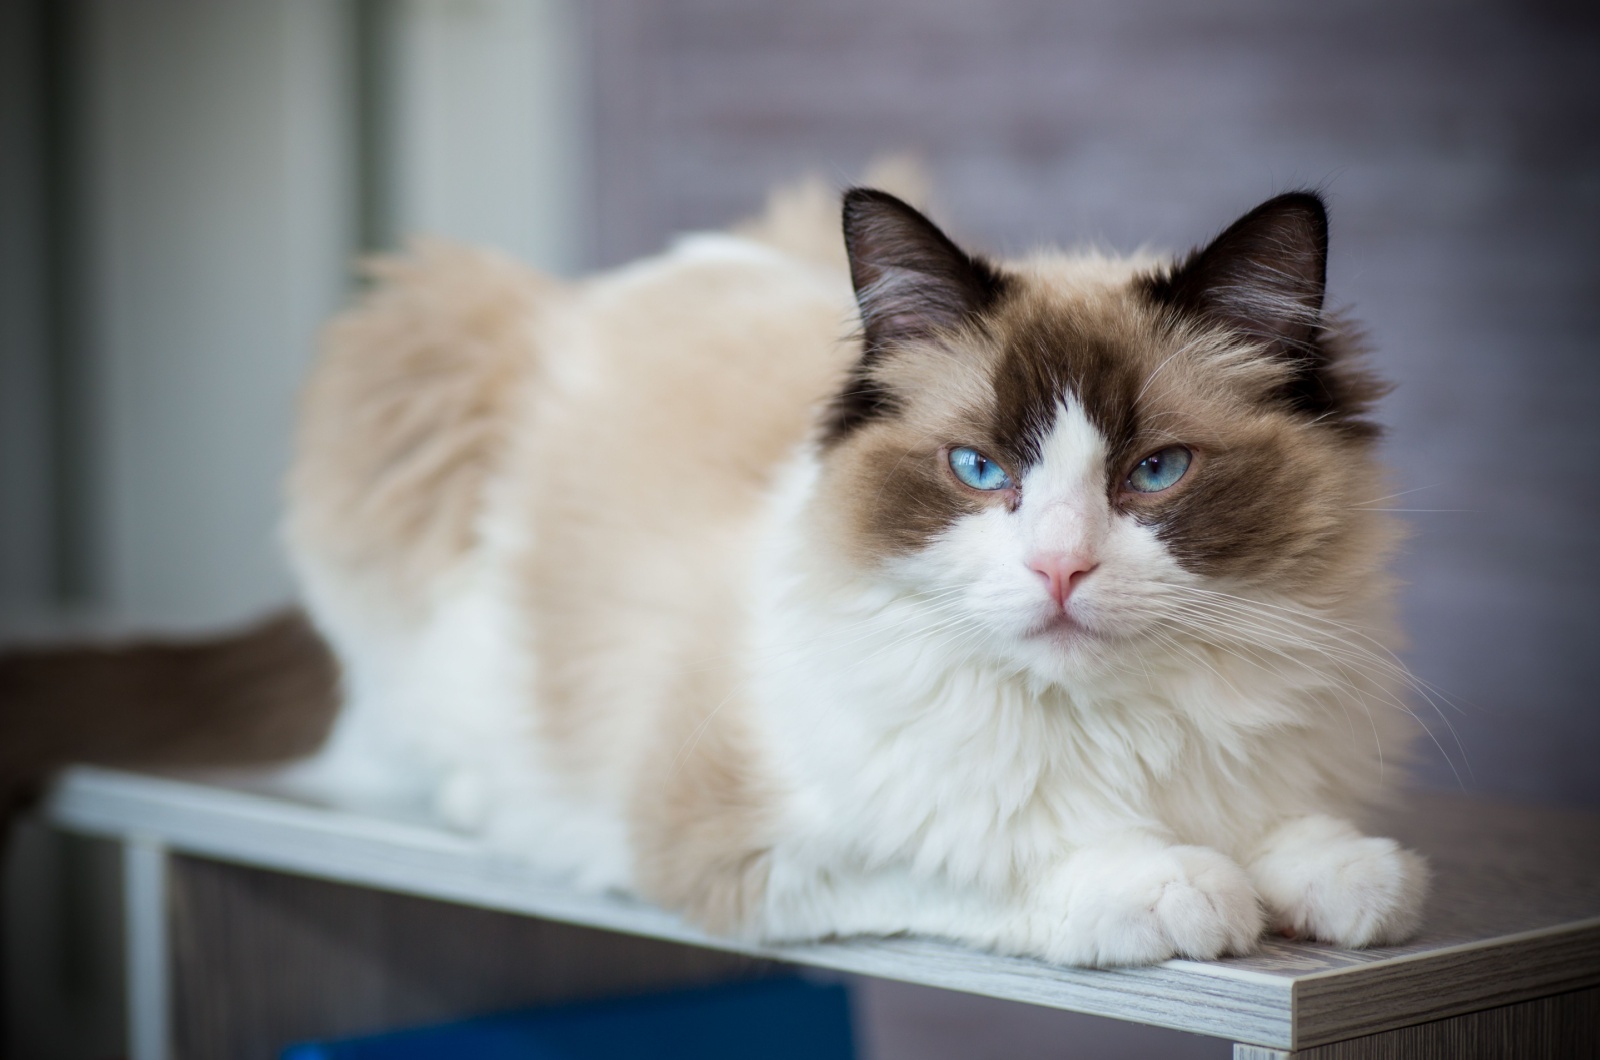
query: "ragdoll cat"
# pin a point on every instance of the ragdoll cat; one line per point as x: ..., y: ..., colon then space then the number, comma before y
x: 1045, y: 612
x: 1039, y: 606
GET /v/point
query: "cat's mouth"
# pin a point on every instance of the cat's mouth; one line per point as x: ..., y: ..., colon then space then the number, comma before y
x: 1060, y: 627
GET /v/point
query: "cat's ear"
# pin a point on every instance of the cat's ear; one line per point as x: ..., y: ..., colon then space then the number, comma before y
x: 1264, y: 277
x: 911, y: 281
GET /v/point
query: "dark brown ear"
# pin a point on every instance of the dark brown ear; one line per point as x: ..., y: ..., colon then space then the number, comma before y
x: 911, y: 281
x: 1264, y: 277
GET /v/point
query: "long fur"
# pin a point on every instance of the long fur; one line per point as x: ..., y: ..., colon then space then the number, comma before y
x: 663, y: 580
x: 770, y: 668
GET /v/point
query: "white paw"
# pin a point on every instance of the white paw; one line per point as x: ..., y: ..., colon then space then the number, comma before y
x: 1323, y: 879
x: 1138, y: 905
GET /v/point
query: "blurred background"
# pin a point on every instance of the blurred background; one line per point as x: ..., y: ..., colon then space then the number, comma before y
x: 185, y: 184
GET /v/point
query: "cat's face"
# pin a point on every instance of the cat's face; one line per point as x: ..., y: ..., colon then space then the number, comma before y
x: 1070, y: 456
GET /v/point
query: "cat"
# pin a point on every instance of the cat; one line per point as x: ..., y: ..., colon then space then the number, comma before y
x: 812, y: 591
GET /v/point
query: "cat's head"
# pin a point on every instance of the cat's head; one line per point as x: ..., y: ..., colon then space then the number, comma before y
x: 1070, y: 454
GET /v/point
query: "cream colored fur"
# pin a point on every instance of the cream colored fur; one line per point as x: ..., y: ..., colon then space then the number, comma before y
x: 576, y: 550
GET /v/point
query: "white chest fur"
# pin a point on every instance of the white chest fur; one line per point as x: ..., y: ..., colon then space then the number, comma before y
x: 905, y: 738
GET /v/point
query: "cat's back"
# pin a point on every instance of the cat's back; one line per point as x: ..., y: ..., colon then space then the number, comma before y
x: 546, y: 487
x: 721, y: 347
x: 673, y: 390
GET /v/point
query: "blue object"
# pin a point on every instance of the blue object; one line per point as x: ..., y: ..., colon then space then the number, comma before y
x: 776, y: 1019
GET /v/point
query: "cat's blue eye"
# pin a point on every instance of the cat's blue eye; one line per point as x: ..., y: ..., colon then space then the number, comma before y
x: 1160, y: 471
x: 978, y: 471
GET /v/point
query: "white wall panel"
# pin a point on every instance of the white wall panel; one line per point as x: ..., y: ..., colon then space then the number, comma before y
x: 219, y: 207
x: 487, y: 126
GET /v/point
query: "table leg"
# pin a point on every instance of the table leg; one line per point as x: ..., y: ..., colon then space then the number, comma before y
x: 148, y: 968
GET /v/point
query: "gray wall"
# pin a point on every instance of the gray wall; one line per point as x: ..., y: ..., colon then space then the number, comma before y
x: 1458, y: 143
x: 224, y: 160
x: 184, y: 188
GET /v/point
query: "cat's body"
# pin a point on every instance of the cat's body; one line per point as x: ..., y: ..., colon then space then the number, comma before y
x: 660, y: 582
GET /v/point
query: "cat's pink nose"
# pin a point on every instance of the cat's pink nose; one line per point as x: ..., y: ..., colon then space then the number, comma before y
x: 1063, y: 571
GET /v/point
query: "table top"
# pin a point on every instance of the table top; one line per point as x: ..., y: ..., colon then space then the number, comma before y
x: 1514, y: 914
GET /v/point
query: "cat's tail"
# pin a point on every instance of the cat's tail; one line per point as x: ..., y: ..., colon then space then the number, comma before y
x: 803, y: 218
x: 266, y: 693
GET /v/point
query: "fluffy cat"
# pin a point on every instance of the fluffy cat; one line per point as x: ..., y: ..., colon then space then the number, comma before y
x: 1039, y: 606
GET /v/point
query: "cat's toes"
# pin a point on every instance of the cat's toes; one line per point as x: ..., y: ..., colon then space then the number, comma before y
x: 1211, y: 910
x: 1320, y: 878
x: 1138, y: 907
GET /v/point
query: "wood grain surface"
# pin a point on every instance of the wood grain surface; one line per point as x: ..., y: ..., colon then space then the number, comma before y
x: 1516, y: 913
x: 1563, y: 1027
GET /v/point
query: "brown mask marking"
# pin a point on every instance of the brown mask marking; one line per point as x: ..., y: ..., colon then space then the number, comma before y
x: 1229, y: 352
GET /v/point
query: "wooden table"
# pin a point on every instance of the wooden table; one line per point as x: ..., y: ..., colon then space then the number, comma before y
x: 1508, y: 963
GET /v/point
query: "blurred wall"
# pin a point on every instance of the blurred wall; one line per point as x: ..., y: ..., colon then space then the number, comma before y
x: 184, y: 188
x: 26, y: 467
x: 216, y: 192
x: 1458, y: 144
x: 184, y: 184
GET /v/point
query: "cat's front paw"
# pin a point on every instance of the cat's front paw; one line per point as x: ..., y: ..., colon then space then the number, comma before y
x: 1323, y: 879
x: 1139, y: 905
